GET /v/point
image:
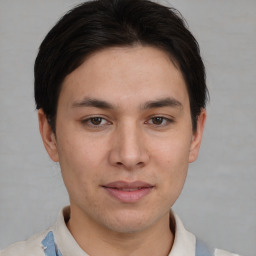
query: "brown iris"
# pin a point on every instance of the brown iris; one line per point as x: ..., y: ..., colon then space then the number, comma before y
x: 96, y: 120
x: 157, y: 120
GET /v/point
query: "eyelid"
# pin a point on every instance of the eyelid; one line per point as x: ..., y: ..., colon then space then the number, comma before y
x: 86, y: 121
x: 168, y: 120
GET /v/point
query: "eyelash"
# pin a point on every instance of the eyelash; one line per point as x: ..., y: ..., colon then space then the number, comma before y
x: 166, y: 121
x: 88, y: 121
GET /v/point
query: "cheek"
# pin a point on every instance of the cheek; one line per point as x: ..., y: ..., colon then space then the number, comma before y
x: 79, y: 161
x: 78, y: 170
x: 171, y: 151
x: 79, y: 153
x: 171, y: 159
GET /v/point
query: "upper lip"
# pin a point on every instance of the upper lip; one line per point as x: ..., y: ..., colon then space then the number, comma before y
x: 126, y: 185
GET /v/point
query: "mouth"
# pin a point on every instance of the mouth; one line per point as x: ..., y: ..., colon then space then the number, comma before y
x: 128, y: 192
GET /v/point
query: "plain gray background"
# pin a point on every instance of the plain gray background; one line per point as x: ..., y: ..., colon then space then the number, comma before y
x: 219, y: 199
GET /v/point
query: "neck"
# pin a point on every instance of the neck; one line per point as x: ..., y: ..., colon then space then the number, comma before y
x: 96, y: 240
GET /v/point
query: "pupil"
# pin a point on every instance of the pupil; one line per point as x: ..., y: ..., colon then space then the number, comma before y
x: 157, y: 120
x: 96, y: 120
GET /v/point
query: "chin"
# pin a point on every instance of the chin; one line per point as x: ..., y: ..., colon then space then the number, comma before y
x: 129, y: 222
x: 128, y: 227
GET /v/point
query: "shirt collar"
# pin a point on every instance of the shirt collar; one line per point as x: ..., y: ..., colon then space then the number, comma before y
x: 63, y: 238
x: 184, y: 241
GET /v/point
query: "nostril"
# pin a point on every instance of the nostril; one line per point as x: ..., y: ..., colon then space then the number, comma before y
x: 138, y: 164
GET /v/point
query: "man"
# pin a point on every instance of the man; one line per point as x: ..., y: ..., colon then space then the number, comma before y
x: 121, y: 94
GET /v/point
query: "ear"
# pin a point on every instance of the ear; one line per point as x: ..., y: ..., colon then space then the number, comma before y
x: 197, y: 137
x: 48, y: 136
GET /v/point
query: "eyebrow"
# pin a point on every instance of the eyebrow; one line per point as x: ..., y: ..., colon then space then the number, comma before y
x: 90, y: 102
x: 96, y: 103
x: 166, y: 102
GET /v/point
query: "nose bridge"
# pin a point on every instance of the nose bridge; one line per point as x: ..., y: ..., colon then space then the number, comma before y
x: 129, y: 149
x: 129, y: 141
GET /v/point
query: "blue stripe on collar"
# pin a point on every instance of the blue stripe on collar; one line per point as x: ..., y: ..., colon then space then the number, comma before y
x: 202, y: 249
x: 50, y: 249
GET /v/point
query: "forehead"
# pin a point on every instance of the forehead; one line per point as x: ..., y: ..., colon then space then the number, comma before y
x: 126, y: 74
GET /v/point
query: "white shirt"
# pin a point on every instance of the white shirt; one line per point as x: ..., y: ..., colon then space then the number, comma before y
x: 184, y: 241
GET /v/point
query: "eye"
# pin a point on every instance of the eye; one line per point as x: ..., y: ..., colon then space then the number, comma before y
x: 95, y: 121
x: 159, y: 121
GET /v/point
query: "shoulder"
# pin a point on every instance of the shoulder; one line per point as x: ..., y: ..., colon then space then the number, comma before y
x: 31, y: 247
x: 39, y: 243
x: 219, y: 252
x: 186, y: 243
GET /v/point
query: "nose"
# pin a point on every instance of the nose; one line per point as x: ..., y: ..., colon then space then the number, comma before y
x: 128, y: 150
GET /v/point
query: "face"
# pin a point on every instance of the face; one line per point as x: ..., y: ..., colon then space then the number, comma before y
x: 123, y: 137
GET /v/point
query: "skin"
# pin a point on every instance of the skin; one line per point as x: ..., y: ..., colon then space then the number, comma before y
x: 123, y: 115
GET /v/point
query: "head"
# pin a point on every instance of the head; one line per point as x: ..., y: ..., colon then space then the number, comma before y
x: 101, y: 24
x: 120, y: 88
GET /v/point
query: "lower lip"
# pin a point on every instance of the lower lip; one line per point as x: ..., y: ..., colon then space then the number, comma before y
x: 129, y: 196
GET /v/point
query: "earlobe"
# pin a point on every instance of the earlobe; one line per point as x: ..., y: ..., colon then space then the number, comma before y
x: 48, y: 136
x: 197, y: 137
